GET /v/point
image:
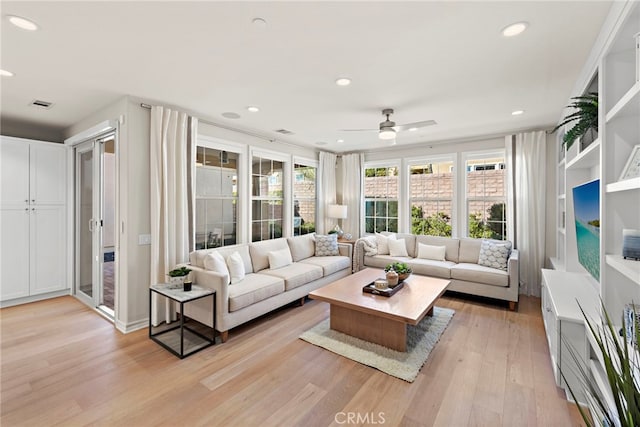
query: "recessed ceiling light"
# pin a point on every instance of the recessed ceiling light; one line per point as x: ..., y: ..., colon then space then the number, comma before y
x: 231, y: 115
x: 517, y: 112
x: 343, y: 81
x: 321, y: 143
x: 413, y: 129
x: 514, y: 29
x: 339, y: 141
x: 253, y: 109
x: 259, y: 23
x: 23, y: 23
x: 5, y: 73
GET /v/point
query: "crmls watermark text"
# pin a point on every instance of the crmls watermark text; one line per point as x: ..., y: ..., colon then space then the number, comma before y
x: 360, y: 418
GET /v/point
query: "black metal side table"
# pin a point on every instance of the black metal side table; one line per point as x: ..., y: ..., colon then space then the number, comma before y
x: 173, y: 337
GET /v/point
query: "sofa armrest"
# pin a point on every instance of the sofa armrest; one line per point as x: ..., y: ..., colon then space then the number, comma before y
x: 513, y: 268
x: 345, y: 249
x: 358, y: 255
x: 215, y: 281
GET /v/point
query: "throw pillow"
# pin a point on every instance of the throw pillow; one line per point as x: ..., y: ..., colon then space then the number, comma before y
x: 397, y: 247
x: 278, y: 259
x: 370, y: 245
x: 382, y: 242
x: 494, y: 255
x: 236, y: 267
x: 435, y: 253
x: 215, y: 262
x: 327, y: 245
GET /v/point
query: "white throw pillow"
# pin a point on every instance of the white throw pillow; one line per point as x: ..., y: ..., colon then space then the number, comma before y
x: 280, y: 258
x: 494, y: 255
x: 215, y: 262
x: 327, y: 245
x: 435, y: 253
x: 397, y: 247
x: 382, y: 242
x: 236, y: 267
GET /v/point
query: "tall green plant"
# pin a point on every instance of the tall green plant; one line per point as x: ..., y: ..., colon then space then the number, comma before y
x: 585, y: 116
x: 622, y: 366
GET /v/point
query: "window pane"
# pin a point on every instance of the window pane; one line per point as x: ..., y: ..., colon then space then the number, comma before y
x: 486, y: 198
x: 431, y: 197
x: 304, y: 202
x: 267, y: 198
x: 381, y: 199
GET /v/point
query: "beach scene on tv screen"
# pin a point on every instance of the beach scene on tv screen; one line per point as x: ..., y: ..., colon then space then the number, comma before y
x: 586, y: 204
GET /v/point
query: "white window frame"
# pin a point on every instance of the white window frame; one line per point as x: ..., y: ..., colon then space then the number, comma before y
x: 309, y: 163
x: 391, y: 163
x: 440, y: 158
x: 464, y: 203
x: 243, y: 189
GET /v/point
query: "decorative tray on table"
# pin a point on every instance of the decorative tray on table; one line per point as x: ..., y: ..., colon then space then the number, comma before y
x: 371, y: 289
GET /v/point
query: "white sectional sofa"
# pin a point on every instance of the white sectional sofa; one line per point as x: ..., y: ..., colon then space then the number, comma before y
x: 263, y: 289
x: 460, y: 265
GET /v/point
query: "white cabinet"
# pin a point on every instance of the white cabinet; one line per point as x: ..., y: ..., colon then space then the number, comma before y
x: 562, y: 296
x: 33, y: 218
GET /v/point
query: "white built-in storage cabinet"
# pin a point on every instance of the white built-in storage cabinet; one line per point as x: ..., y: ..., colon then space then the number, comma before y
x: 616, y: 78
x: 33, y: 220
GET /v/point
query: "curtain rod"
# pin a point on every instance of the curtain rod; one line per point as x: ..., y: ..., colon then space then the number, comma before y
x: 147, y: 106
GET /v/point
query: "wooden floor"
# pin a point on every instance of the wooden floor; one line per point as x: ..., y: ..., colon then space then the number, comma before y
x: 63, y: 364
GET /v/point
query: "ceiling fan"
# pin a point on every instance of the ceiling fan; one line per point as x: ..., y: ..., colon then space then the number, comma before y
x: 388, y: 129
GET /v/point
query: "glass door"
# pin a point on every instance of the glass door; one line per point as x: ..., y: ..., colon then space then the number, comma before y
x: 95, y: 223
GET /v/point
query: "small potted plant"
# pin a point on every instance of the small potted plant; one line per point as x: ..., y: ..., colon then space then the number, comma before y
x: 586, y: 117
x: 401, y: 268
x: 180, y: 275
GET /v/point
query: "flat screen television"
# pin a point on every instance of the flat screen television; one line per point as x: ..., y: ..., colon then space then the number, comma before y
x: 586, y: 208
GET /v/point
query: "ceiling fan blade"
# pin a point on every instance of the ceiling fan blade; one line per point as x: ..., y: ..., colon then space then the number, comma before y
x: 416, y: 125
x: 357, y: 130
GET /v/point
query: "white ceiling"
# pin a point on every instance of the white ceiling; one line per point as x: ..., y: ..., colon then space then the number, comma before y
x: 445, y: 61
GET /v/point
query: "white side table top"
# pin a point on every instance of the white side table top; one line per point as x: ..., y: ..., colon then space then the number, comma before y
x: 175, y: 292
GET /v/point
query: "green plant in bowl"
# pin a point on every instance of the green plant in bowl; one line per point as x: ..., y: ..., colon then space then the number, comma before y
x: 401, y: 268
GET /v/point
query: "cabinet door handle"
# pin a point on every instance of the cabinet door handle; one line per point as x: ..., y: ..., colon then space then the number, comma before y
x: 26, y: 201
x: 548, y: 310
x: 33, y: 200
x: 91, y: 227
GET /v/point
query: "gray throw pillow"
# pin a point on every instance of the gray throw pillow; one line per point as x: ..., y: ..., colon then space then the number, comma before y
x: 494, y: 255
x: 327, y: 245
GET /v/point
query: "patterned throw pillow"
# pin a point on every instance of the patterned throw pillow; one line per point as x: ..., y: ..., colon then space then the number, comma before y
x: 327, y: 245
x: 494, y: 255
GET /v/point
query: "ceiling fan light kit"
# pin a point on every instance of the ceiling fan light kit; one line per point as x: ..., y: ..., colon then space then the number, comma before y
x: 388, y: 133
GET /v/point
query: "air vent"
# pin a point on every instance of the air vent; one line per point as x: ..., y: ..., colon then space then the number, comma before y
x: 284, y: 131
x: 41, y: 104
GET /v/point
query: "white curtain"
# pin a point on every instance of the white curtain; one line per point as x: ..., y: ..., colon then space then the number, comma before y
x: 326, y: 190
x: 527, y: 168
x: 351, y: 192
x: 171, y: 201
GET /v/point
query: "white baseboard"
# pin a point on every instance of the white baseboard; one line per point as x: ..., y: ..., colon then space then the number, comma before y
x: 125, y: 328
x: 33, y: 298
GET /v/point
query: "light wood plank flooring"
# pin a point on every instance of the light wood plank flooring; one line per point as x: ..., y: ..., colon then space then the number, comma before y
x: 63, y: 364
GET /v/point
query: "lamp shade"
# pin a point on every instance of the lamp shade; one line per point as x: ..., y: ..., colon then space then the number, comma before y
x: 387, y: 133
x: 337, y: 211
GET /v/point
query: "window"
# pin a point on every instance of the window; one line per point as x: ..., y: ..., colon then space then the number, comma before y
x: 431, y: 197
x: 267, y: 198
x: 486, y: 197
x: 381, y: 199
x: 216, y: 213
x: 304, y: 199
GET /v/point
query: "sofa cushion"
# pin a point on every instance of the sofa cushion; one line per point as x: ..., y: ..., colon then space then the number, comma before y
x: 381, y: 242
x: 260, y: 252
x: 381, y: 261
x: 197, y: 257
x: 469, y: 250
x: 452, y: 245
x: 302, y: 247
x: 329, y: 264
x: 430, y: 267
x: 254, y: 288
x: 436, y: 253
x: 327, y: 245
x: 279, y: 258
x: 410, y: 240
x: 397, y: 247
x: 480, y: 274
x: 215, y: 262
x: 494, y: 255
x: 295, y: 275
x: 236, y: 267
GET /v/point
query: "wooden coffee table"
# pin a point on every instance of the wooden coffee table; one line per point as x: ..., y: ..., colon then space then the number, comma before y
x: 375, y: 318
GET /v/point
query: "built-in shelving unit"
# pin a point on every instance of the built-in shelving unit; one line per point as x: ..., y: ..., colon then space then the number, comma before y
x: 617, y: 82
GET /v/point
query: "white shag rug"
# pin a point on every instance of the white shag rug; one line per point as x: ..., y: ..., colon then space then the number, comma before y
x: 420, y: 341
